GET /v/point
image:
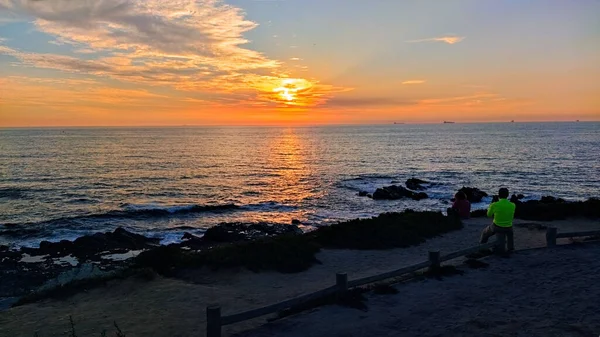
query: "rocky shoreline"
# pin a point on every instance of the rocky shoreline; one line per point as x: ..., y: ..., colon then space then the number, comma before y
x: 27, y: 269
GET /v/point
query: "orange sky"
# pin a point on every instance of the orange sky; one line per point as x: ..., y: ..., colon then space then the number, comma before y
x: 210, y: 62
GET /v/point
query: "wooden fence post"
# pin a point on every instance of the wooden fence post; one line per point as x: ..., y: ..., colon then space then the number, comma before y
x: 213, y: 321
x: 551, y: 236
x: 341, y: 281
x: 434, y: 261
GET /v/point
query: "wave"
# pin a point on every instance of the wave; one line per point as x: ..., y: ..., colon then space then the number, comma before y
x: 128, y: 211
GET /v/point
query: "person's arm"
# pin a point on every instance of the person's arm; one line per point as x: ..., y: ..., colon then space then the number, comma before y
x: 491, y: 211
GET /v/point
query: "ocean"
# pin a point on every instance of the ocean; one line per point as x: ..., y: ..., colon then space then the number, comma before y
x: 64, y: 183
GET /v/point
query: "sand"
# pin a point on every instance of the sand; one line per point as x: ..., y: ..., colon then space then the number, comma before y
x: 176, y: 307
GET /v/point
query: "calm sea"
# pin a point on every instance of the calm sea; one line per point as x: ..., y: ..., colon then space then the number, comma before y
x: 64, y: 183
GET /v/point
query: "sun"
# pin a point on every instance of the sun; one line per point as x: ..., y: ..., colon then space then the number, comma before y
x: 290, y: 89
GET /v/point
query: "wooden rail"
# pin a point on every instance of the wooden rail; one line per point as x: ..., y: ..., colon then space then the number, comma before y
x: 213, y: 312
x: 215, y: 321
x: 552, y: 234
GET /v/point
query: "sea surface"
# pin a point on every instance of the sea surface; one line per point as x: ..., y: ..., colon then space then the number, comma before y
x: 64, y: 183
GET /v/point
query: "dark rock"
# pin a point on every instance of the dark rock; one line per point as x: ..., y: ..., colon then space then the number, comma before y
x: 520, y: 196
x: 295, y: 222
x: 370, y: 195
x: 395, y: 192
x: 232, y: 232
x: 3, y: 248
x: 363, y: 193
x: 415, y: 184
x: 548, y: 199
x: 420, y: 196
x: 189, y: 236
x: 473, y: 194
x: 514, y: 199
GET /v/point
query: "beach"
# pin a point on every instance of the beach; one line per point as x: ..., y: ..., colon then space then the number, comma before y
x: 176, y: 306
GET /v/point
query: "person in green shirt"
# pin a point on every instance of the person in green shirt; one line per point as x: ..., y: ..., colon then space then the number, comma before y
x: 503, y: 212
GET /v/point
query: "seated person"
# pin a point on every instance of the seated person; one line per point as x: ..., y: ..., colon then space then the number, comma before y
x: 461, y: 206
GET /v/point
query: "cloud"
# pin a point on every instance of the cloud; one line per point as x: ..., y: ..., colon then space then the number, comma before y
x: 183, y: 44
x: 447, y: 39
x: 413, y: 82
x: 362, y: 102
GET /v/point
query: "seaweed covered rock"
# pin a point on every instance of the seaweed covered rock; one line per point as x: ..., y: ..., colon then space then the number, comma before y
x: 395, y: 192
x: 473, y: 194
x: 388, y: 230
x: 415, y: 184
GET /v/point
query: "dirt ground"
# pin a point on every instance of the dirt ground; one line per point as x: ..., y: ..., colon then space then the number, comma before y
x: 176, y: 307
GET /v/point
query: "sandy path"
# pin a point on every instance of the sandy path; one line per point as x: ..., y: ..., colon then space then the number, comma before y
x: 170, y: 307
x: 545, y: 292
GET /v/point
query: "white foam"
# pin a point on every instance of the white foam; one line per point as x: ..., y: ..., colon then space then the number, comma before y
x: 26, y: 258
x: 69, y: 259
x: 122, y: 257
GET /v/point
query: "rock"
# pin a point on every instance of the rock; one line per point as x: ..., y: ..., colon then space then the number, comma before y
x: 420, y: 196
x: 232, y: 232
x: 370, y: 195
x: 295, y: 222
x: 3, y: 248
x: 189, y: 236
x: 550, y: 199
x: 415, y: 184
x: 520, y: 196
x: 473, y: 194
x: 363, y: 193
x: 395, y: 192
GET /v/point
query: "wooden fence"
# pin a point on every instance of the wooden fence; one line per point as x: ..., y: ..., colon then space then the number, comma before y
x: 215, y: 321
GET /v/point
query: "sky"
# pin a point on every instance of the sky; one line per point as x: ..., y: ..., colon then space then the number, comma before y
x: 297, y: 62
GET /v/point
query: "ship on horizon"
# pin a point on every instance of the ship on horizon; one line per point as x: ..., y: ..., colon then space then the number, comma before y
x: 447, y: 122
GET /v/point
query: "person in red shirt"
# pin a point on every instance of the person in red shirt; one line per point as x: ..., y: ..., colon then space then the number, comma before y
x: 461, y: 206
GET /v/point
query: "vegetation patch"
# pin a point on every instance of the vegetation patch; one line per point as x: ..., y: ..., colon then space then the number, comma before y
x: 386, y: 231
x: 291, y: 253
x: 286, y: 254
x: 550, y: 208
x: 557, y: 209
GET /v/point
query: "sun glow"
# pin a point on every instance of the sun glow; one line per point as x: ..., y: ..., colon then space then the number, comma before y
x: 290, y: 91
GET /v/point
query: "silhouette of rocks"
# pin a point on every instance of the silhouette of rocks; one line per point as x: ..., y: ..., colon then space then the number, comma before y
x: 473, y: 194
x: 395, y: 192
x: 89, y: 246
x: 415, y: 184
x: 363, y: 193
x: 548, y: 199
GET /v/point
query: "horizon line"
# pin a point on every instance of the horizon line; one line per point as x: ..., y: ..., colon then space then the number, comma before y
x: 285, y: 125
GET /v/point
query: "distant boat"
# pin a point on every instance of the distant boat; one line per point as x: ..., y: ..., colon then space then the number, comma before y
x: 512, y: 121
x: 446, y: 122
x: 398, y: 123
x: 577, y: 120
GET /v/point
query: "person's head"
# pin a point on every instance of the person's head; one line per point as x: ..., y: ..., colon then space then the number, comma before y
x: 460, y: 195
x: 503, y: 193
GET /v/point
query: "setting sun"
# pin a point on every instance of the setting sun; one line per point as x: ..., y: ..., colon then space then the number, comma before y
x: 290, y: 91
